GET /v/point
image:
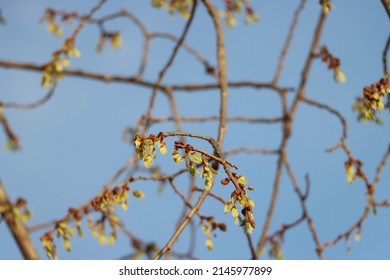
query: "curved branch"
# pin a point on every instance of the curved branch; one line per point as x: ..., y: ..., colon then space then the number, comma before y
x: 330, y: 110
x: 186, y: 46
x: 384, y: 56
x: 31, y: 105
x: 289, y: 38
x: 13, y: 139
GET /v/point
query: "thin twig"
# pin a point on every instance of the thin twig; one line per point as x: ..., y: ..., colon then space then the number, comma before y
x: 384, y: 203
x: 183, y: 198
x: 332, y: 111
x: 185, y: 45
x: 251, y: 151
x: 41, y: 226
x: 216, y: 118
x: 31, y: 105
x: 175, y: 111
x: 384, y: 56
x: 287, y: 43
x: 128, y: 164
x: 348, y: 232
x: 380, y: 167
x: 248, y: 236
x: 168, y: 65
x: 13, y: 139
x: 86, y: 18
x: 302, y: 198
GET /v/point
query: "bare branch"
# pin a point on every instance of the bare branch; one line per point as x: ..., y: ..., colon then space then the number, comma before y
x: 251, y: 151
x: 222, y: 70
x: 287, y: 129
x: 182, y: 226
x: 13, y: 140
x: 386, y: 5
x: 216, y: 118
x: 32, y: 105
x: 380, y: 167
x: 110, y: 78
x: 17, y: 228
x: 384, y: 56
x: 332, y: 111
x: 168, y: 65
x: 287, y: 43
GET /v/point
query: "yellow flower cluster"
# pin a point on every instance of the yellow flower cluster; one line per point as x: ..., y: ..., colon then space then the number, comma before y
x: 192, y: 159
x: 115, y: 39
x: 353, y: 170
x: 145, y: 147
x: 334, y: 64
x: 103, y: 204
x: 371, y: 105
x: 243, y: 200
x: 209, y: 228
x: 276, y: 250
x: 234, y: 7
x: 182, y: 7
x: 18, y: 210
x: 53, y: 70
x: 53, y: 27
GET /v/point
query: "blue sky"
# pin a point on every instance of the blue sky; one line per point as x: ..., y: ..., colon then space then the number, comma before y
x: 72, y: 144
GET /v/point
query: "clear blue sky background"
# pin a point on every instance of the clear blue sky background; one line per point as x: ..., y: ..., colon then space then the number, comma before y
x: 72, y: 145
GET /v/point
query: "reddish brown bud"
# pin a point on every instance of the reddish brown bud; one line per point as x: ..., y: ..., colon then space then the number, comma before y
x: 225, y: 181
x: 222, y: 226
x: 20, y: 202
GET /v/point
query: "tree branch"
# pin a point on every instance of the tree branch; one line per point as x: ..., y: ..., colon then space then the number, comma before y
x: 168, y: 65
x: 18, y: 229
x: 287, y: 43
x: 222, y: 70
x: 287, y: 129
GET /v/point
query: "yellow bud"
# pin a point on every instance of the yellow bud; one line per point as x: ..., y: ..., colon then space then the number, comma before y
x: 111, y: 239
x: 148, y: 160
x: 208, y: 184
x: 67, y: 246
x: 350, y: 170
x: 138, y: 194
x: 209, y: 243
x: 163, y: 148
x: 339, y: 76
x: 102, y: 238
x: 58, y: 31
x: 230, y: 21
x: 116, y: 41
x: 357, y: 236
